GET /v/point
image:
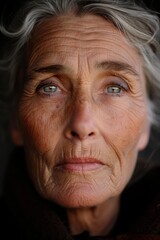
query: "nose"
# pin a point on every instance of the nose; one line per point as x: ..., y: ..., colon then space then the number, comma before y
x: 81, y: 124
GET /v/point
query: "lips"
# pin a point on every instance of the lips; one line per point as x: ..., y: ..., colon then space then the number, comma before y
x: 80, y: 164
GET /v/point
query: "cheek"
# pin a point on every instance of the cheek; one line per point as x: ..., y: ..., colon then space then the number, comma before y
x: 123, y: 123
x: 40, y: 132
x: 121, y: 129
x: 39, y: 125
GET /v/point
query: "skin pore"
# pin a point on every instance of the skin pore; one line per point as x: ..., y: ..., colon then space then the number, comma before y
x: 82, y: 117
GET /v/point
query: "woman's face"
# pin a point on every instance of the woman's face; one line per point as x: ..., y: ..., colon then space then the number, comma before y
x: 82, y: 111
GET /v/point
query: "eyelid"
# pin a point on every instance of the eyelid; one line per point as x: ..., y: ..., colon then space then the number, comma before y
x: 116, y: 80
x: 119, y: 75
x: 48, y: 81
x: 128, y: 81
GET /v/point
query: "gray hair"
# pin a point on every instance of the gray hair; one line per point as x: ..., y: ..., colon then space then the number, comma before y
x: 139, y: 24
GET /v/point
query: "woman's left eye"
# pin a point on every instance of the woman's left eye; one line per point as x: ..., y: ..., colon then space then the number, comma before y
x: 113, y: 89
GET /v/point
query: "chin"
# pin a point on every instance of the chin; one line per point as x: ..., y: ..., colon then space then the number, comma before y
x: 80, y: 198
x: 78, y: 201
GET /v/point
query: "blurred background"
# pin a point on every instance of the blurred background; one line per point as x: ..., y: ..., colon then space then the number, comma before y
x: 8, y: 8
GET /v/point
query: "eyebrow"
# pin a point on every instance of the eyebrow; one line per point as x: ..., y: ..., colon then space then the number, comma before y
x: 55, y: 68
x: 117, y: 66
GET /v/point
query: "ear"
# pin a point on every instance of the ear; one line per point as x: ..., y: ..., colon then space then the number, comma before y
x: 144, y: 138
x: 16, y: 134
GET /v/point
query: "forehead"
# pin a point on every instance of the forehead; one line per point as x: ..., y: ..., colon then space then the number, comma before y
x: 65, y: 37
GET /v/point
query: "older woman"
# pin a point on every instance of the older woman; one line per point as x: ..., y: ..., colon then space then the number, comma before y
x: 84, y: 80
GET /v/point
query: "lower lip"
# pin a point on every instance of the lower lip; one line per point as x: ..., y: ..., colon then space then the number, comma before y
x: 80, y: 167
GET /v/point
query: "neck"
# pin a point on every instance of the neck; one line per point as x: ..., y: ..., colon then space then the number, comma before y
x: 102, y: 216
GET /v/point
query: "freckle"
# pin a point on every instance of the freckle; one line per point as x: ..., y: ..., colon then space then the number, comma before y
x: 57, y: 106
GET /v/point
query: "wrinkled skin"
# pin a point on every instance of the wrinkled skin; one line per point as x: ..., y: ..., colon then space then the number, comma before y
x: 82, y: 112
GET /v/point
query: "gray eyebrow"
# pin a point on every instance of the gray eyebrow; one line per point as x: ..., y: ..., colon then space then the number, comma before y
x: 56, y: 68
x: 117, y: 66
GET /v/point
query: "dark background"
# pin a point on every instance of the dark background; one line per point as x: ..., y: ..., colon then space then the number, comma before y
x: 9, y: 8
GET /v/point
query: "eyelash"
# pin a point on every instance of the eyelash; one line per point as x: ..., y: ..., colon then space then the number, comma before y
x: 117, y: 85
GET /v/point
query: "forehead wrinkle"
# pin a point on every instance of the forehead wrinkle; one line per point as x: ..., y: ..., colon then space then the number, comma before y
x: 61, y: 37
x: 66, y: 29
x: 84, y: 69
x: 61, y: 23
x: 58, y: 41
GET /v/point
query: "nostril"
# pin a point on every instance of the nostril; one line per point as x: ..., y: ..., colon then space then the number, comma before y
x: 91, y: 134
x: 74, y: 134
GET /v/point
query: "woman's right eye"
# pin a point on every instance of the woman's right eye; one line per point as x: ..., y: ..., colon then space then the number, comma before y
x: 50, y: 89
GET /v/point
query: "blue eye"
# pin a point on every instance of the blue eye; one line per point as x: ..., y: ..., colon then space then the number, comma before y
x: 114, y: 89
x: 50, y: 89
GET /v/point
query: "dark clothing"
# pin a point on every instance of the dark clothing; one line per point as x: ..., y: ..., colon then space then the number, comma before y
x: 26, y: 216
